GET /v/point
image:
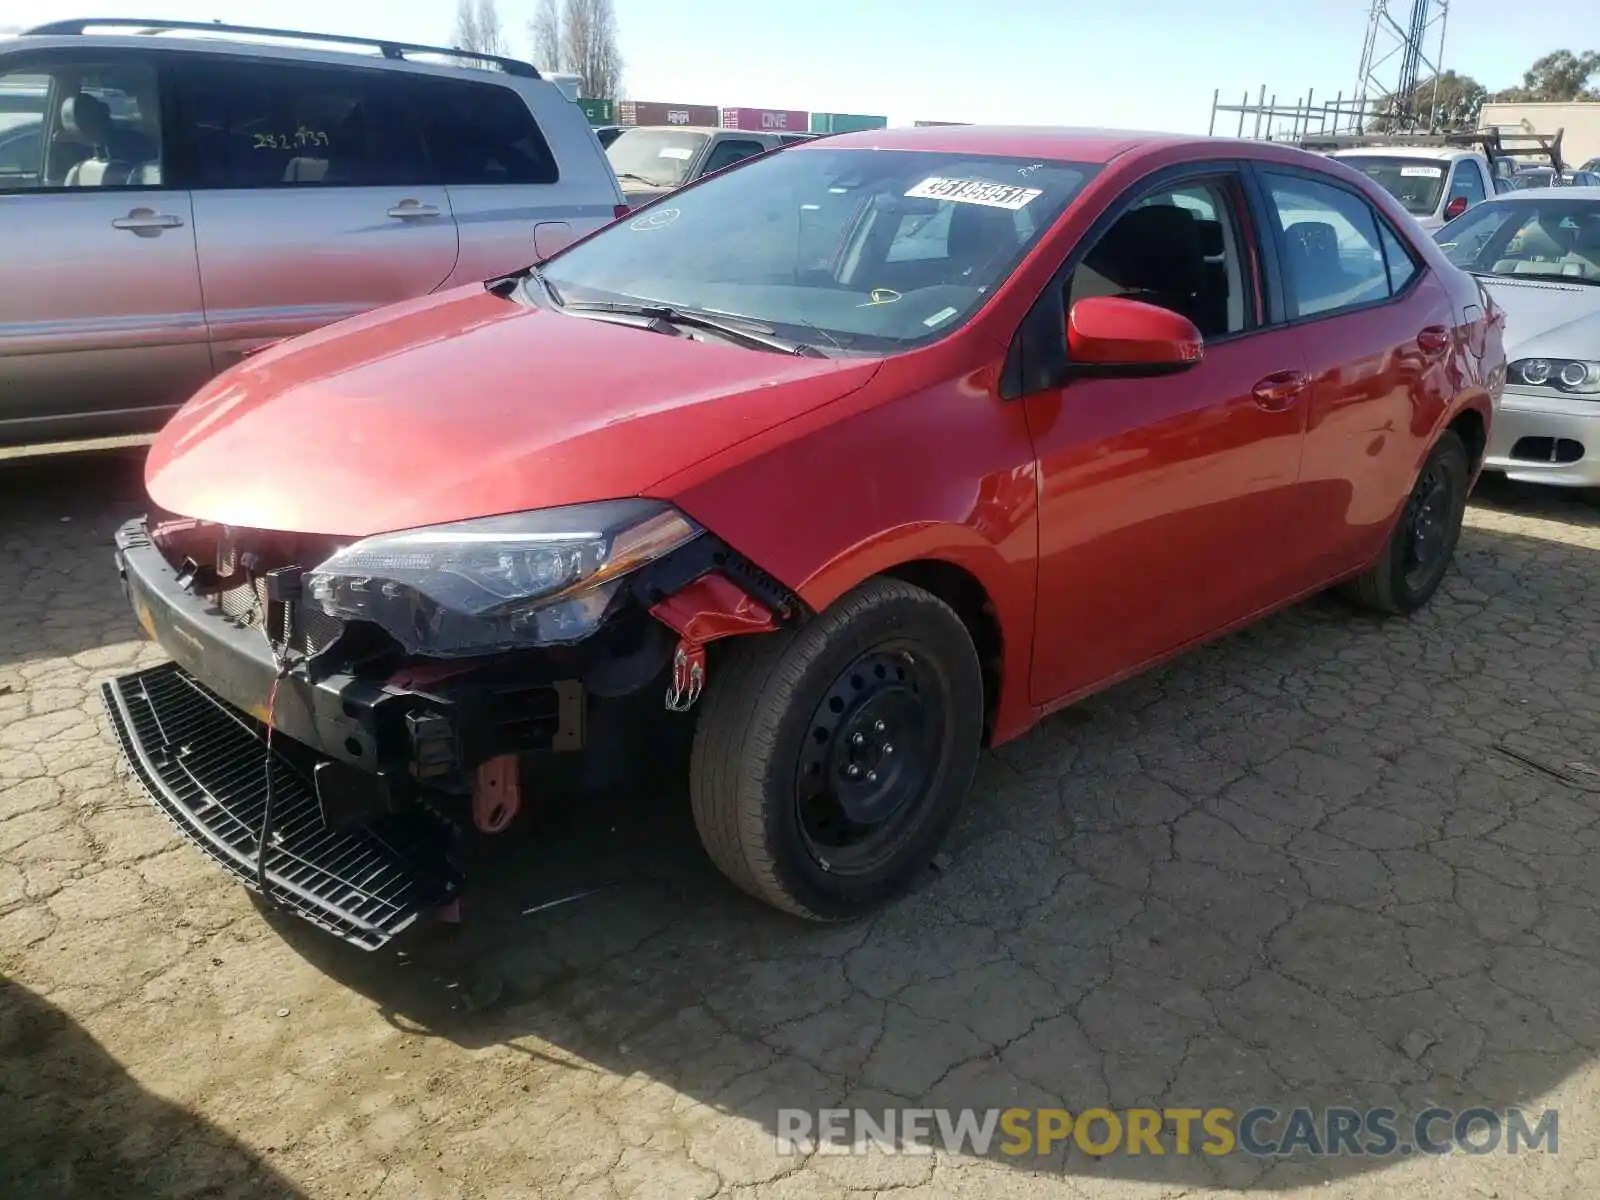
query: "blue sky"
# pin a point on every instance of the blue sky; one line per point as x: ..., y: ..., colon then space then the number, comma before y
x: 1141, y: 64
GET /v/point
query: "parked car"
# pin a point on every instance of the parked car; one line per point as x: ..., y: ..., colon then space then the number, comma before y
x: 652, y: 160
x: 1538, y: 254
x: 1433, y: 184
x: 225, y: 192
x: 807, y: 482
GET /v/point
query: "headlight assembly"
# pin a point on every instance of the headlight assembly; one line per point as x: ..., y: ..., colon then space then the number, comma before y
x: 538, y: 578
x: 1577, y: 376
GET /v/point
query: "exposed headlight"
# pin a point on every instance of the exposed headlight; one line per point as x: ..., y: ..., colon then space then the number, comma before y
x: 472, y: 587
x: 1579, y: 376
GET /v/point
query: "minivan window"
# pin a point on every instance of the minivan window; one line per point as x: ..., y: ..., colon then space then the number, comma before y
x: 813, y: 243
x: 1416, y: 182
x: 480, y: 133
x: 262, y: 125
x: 80, y: 124
x: 658, y: 157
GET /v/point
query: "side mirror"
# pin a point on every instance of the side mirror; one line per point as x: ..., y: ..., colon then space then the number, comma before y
x: 1455, y: 208
x: 1128, y: 337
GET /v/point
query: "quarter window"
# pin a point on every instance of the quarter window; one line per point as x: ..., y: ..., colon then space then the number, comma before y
x: 1333, y: 259
x: 1402, y: 267
x: 481, y: 133
x: 253, y: 125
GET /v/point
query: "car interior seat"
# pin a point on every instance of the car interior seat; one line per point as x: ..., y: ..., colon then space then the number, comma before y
x: 1154, y: 254
x: 87, y: 119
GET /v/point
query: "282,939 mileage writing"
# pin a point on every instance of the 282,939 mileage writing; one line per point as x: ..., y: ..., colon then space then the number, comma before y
x: 300, y: 139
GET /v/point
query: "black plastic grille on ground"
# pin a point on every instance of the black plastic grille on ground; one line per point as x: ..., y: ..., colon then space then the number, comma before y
x: 202, y: 761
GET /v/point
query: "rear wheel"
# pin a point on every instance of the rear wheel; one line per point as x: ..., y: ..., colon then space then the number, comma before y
x: 1423, y: 541
x: 829, y: 762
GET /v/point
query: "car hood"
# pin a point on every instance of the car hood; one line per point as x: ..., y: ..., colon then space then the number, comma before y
x: 467, y: 405
x: 1546, y: 317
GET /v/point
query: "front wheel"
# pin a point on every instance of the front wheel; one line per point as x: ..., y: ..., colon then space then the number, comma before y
x: 829, y: 762
x: 1423, y: 541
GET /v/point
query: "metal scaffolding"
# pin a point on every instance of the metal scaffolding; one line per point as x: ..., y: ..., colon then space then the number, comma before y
x: 1395, y: 59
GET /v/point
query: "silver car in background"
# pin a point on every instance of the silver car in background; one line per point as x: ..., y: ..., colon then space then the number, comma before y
x: 177, y: 195
x: 1537, y: 252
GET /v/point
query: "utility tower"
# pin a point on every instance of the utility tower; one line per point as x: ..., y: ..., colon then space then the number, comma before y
x: 1404, y: 46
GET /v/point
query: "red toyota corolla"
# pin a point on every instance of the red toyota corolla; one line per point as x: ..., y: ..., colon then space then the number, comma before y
x: 827, y: 471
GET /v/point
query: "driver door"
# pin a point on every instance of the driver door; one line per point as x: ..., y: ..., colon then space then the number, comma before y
x: 1168, y: 504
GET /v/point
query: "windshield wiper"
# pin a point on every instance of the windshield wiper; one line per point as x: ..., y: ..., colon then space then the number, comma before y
x: 1548, y: 275
x: 640, y: 179
x: 750, y: 333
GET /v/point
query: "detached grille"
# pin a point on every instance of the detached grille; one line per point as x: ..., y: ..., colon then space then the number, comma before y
x: 202, y: 762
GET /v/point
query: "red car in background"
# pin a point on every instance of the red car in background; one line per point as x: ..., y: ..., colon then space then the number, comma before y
x: 805, y: 482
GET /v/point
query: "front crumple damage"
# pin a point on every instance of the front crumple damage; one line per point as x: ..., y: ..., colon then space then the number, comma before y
x: 393, y: 762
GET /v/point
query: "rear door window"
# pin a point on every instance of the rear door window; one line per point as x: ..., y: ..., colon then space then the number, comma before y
x: 1332, y: 255
x: 264, y: 125
x: 481, y: 133
x: 80, y: 123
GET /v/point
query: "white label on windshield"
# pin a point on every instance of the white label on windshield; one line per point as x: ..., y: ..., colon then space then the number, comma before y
x: 678, y: 152
x: 975, y: 191
x: 940, y: 317
x: 1421, y: 172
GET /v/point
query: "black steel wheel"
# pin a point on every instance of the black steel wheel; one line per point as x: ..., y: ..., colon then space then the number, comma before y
x: 1423, y: 541
x: 829, y: 761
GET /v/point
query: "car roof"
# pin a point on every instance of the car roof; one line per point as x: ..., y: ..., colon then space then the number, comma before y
x: 1586, y: 192
x: 291, y: 51
x: 1020, y: 141
x: 1442, y: 153
x: 714, y: 129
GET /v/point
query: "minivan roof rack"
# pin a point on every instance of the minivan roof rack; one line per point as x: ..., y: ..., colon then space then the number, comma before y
x: 389, y: 49
x: 1495, y: 142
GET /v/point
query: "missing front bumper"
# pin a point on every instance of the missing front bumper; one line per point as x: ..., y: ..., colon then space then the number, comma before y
x: 204, y: 765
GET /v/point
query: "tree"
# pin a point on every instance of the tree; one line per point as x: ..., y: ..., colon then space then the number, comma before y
x: 589, y: 43
x: 545, y: 32
x: 1451, y: 106
x: 1560, y: 75
x: 478, y: 28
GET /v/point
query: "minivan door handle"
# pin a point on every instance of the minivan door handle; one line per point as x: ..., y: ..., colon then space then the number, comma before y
x: 146, y: 220
x: 1278, y: 391
x: 1433, y: 339
x: 408, y: 209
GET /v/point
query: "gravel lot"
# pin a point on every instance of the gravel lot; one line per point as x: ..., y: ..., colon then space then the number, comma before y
x: 1329, y: 860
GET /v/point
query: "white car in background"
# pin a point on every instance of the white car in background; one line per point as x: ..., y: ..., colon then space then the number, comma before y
x: 1537, y: 253
x: 1433, y: 184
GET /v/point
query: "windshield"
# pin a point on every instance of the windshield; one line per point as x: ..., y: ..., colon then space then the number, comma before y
x: 1415, y: 182
x: 659, y: 157
x: 1557, y: 238
x: 873, y: 250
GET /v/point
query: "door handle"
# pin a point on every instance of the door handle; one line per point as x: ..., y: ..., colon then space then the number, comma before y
x: 1278, y: 391
x: 1433, y: 339
x: 408, y: 209
x: 143, y: 220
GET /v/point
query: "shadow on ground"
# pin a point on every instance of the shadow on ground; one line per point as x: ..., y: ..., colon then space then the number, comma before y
x: 1327, y: 861
x: 58, y: 593
x: 73, y: 1123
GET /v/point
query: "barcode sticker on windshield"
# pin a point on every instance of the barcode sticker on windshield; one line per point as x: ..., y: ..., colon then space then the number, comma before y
x: 678, y: 152
x: 1421, y: 172
x: 975, y: 191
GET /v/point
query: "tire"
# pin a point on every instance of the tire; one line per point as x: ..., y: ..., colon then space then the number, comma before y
x: 1416, y: 556
x: 769, y: 781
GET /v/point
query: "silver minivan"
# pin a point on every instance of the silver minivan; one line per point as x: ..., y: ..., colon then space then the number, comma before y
x: 174, y: 196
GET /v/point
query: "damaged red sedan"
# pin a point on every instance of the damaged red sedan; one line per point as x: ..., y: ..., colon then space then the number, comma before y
x: 826, y: 471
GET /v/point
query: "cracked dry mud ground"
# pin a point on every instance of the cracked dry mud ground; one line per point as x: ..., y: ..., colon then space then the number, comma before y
x: 1248, y: 878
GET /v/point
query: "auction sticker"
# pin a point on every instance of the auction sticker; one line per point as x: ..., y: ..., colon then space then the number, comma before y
x: 1421, y: 172
x: 975, y: 191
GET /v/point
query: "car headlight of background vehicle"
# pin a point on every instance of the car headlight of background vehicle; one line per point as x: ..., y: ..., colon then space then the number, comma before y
x: 1577, y: 376
x: 538, y: 578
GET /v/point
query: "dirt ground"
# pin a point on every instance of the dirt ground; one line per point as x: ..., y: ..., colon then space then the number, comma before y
x: 1329, y: 860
